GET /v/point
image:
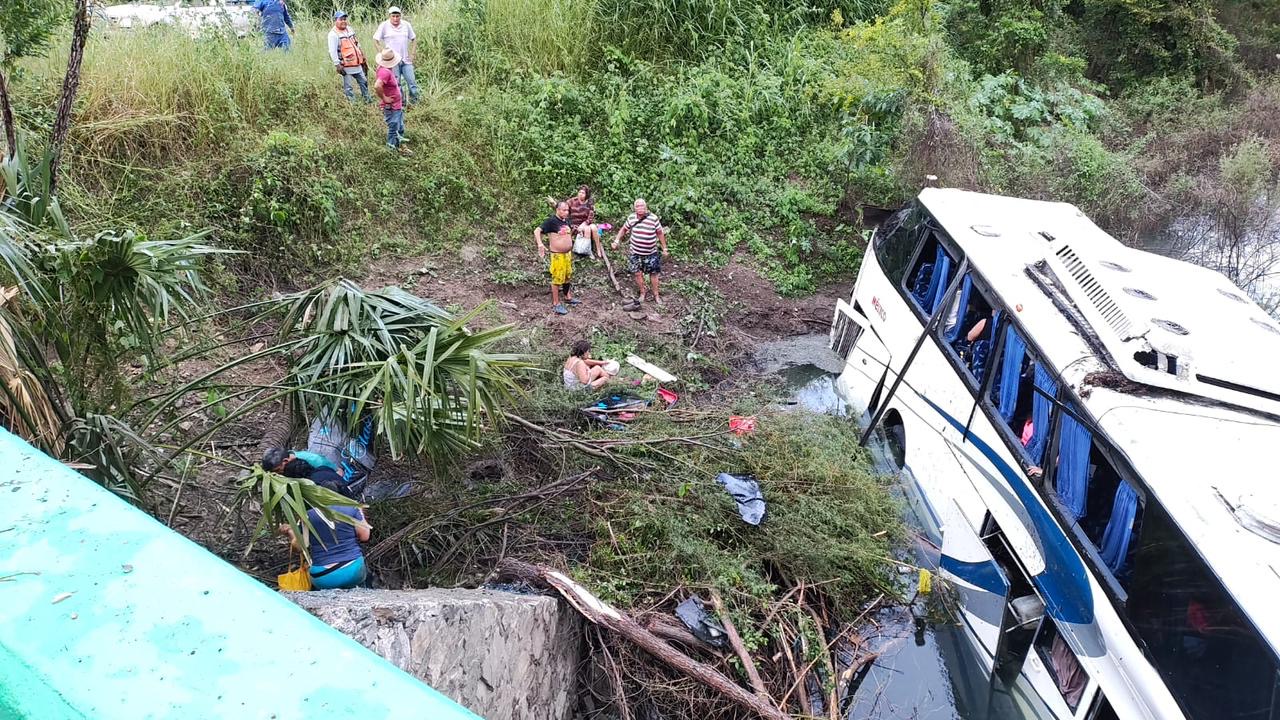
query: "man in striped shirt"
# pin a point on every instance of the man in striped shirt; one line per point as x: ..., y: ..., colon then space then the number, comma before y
x: 646, y: 234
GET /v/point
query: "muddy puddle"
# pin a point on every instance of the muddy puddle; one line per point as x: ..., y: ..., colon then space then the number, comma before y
x: 926, y: 666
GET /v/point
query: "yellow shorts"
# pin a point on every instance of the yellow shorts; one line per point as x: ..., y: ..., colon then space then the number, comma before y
x: 561, y: 267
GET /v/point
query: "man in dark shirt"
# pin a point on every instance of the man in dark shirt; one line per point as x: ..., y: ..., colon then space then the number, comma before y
x: 557, y: 230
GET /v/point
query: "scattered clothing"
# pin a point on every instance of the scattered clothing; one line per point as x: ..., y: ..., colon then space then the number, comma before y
x: 644, y: 234
x: 746, y: 493
x: 702, y: 624
x: 561, y: 268
x: 650, y: 264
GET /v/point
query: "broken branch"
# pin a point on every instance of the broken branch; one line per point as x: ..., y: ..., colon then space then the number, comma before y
x: 739, y: 647
x: 604, y: 615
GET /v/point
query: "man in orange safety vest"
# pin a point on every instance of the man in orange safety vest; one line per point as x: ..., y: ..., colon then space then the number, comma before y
x: 348, y: 58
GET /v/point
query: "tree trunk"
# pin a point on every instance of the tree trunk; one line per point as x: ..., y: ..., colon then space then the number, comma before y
x: 6, y: 116
x: 70, y: 86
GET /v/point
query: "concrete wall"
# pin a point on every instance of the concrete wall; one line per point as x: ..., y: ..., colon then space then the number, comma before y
x: 504, y: 656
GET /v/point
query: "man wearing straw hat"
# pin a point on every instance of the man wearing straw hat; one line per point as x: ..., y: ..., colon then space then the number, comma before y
x: 388, y: 91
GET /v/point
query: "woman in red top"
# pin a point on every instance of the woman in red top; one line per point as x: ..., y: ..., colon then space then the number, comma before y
x: 582, y: 217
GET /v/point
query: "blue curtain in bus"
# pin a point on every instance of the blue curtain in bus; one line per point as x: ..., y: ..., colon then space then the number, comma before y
x: 1006, y: 383
x: 961, y: 308
x: 938, y: 285
x: 1115, y: 539
x: 1040, y: 407
x: 982, y: 349
x: 1071, y: 478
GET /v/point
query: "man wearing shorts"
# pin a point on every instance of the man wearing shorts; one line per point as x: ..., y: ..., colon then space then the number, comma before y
x: 646, y: 235
x: 557, y: 230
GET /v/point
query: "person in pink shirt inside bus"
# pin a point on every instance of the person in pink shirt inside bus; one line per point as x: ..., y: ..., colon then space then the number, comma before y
x: 387, y: 88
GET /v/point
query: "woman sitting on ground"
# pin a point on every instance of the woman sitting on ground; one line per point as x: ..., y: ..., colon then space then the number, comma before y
x: 336, y: 558
x: 580, y: 371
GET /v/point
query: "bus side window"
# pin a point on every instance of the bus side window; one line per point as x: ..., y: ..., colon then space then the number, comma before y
x: 969, y: 328
x: 1212, y: 658
x: 1101, y: 709
x: 1094, y: 494
x: 896, y: 241
x: 1021, y: 392
x: 1062, y: 663
x: 926, y: 283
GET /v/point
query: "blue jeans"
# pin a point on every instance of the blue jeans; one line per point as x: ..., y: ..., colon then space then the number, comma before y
x: 360, y: 79
x: 277, y: 40
x: 404, y: 73
x: 395, y: 127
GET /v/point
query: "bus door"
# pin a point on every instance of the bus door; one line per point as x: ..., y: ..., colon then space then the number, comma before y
x: 1022, y: 612
x: 866, y: 359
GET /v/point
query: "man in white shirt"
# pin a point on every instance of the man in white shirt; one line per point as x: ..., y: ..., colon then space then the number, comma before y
x: 397, y: 34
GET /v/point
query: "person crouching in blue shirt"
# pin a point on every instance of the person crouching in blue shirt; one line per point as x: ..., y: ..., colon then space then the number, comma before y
x: 337, y: 562
x: 277, y: 23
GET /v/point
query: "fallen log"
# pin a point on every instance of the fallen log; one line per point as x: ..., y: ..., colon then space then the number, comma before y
x: 602, y: 614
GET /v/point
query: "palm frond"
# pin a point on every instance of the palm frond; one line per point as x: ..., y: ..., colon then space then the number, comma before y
x: 285, y: 501
x: 427, y: 379
x: 26, y: 407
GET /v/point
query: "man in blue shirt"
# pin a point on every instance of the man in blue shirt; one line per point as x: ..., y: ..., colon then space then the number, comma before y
x: 276, y: 22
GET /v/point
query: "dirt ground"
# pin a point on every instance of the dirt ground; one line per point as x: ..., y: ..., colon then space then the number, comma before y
x: 751, y: 313
x: 754, y: 310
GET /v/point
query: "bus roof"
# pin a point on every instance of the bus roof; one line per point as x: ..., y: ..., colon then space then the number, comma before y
x: 1145, y: 325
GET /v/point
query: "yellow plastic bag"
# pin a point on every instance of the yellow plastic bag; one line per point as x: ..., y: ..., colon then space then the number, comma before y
x: 295, y: 580
x: 926, y: 581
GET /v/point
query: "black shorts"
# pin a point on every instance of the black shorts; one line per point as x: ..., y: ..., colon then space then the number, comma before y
x: 647, y: 264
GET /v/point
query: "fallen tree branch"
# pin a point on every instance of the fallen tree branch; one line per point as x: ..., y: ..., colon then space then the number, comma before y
x: 739, y: 647
x: 602, y: 614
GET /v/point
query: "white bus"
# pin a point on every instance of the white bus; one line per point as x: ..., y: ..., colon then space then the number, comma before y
x: 1089, y: 431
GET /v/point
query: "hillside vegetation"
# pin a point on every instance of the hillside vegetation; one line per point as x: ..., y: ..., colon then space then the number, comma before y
x: 758, y: 126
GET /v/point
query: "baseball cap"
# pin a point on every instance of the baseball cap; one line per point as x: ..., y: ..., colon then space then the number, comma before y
x: 393, y: 10
x: 339, y: 14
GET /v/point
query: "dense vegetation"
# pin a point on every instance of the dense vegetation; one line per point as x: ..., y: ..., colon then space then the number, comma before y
x: 756, y: 126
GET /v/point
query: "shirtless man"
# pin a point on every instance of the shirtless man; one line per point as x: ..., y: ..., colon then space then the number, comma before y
x: 558, y: 231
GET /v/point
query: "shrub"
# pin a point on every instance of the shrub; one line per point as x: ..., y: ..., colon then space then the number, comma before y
x: 287, y: 199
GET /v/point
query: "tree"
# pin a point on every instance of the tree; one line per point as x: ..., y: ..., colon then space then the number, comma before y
x: 74, y: 310
x: 26, y: 27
